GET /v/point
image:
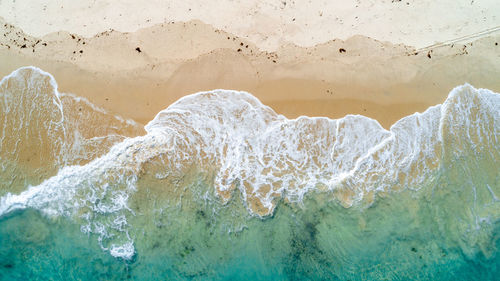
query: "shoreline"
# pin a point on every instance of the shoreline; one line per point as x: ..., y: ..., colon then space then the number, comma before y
x: 360, y: 75
x: 250, y: 139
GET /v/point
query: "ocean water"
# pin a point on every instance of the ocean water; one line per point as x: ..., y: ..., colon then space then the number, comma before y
x: 219, y: 187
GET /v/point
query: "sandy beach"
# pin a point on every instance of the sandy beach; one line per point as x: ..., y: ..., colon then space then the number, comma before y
x: 268, y: 24
x: 249, y: 140
x: 144, y: 67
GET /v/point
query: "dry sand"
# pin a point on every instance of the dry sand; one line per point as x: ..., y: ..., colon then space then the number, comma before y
x: 139, y: 73
x: 268, y: 24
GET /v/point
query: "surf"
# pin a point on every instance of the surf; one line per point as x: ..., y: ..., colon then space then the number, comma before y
x: 227, y: 149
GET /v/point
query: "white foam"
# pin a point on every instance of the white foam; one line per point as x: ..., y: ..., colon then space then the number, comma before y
x: 49, y: 129
x: 125, y: 251
x: 264, y: 155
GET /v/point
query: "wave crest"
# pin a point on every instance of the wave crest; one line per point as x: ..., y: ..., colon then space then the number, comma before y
x: 238, y: 143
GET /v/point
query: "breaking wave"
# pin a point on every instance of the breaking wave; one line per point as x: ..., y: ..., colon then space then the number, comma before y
x: 63, y: 156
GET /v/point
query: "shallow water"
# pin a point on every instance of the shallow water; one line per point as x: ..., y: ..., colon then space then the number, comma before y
x: 220, y: 187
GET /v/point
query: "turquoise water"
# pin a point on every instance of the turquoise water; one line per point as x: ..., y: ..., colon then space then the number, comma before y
x: 319, y: 243
x: 220, y: 187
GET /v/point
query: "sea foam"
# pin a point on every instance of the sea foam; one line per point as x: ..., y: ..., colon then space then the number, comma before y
x: 246, y: 146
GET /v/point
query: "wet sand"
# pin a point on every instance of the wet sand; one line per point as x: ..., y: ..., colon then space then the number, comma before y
x: 138, y: 74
